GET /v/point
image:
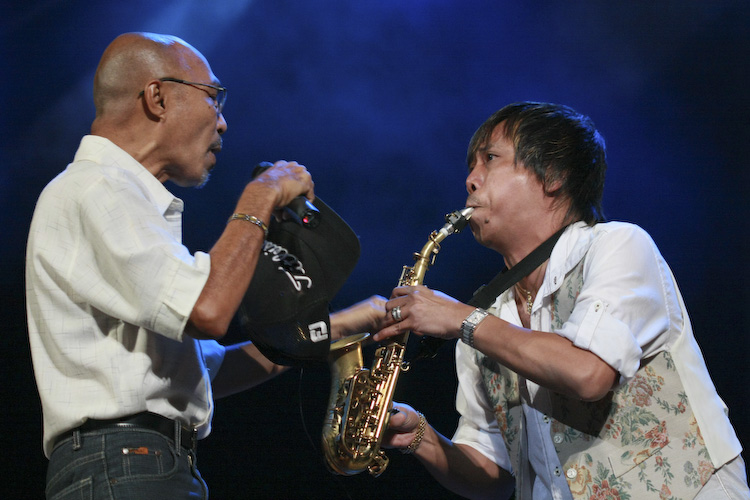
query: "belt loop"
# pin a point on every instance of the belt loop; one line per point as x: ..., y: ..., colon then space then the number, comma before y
x: 177, y: 436
x: 76, y: 439
x: 194, y: 439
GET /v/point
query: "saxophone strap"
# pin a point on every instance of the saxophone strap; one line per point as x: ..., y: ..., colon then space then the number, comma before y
x: 485, y: 295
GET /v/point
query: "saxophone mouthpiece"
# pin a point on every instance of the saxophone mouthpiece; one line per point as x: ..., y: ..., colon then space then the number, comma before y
x: 466, y: 212
x: 456, y: 221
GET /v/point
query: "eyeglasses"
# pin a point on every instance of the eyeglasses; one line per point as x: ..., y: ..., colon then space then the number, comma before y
x: 219, y: 99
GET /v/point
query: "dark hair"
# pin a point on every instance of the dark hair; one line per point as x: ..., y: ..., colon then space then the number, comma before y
x: 558, y: 145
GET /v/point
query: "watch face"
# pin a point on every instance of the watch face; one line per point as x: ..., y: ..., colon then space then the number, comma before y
x: 476, y: 316
x: 469, y: 324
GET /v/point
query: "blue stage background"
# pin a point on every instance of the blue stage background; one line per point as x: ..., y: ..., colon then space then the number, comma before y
x: 379, y: 100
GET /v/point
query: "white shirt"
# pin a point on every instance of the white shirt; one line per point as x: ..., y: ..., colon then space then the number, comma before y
x: 109, y: 289
x: 629, y: 308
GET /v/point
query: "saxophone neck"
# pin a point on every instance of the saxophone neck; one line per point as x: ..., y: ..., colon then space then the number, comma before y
x: 454, y: 223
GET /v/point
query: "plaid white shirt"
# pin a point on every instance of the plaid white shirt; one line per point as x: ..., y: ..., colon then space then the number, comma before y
x: 109, y: 288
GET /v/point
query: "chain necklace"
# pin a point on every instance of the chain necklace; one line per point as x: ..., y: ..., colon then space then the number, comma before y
x: 529, y: 300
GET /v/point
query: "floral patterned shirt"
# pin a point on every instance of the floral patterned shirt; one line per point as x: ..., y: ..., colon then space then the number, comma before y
x: 608, y: 290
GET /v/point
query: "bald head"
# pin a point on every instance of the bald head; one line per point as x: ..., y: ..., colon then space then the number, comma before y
x: 133, y: 59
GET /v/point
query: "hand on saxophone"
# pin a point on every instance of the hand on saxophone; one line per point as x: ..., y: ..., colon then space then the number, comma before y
x: 404, y: 430
x: 424, y: 312
x: 365, y: 316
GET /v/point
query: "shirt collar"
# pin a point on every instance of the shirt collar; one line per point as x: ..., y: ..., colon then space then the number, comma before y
x: 568, y: 252
x: 103, y: 151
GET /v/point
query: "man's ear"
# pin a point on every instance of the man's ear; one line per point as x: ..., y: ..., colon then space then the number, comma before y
x: 552, y: 184
x: 153, y: 98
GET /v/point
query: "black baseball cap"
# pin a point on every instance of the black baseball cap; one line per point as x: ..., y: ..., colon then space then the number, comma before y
x: 285, y: 311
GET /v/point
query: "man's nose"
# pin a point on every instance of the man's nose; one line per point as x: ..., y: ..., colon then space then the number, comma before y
x: 221, y: 126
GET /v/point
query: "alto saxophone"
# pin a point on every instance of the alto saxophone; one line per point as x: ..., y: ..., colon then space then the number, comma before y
x: 361, y: 400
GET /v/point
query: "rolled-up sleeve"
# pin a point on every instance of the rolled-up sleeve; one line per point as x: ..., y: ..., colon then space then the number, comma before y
x: 621, y: 310
x: 179, y: 297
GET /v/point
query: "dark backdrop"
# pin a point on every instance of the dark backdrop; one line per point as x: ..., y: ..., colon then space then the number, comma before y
x: 378, y: 100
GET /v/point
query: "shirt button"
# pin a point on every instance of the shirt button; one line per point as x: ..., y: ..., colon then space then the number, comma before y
x: 572, y: 473
x: 557, y: 438
x: 558, y: 471
x: 546, y: 419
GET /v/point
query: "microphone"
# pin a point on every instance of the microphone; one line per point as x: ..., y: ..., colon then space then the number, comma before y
x: 300, y: 209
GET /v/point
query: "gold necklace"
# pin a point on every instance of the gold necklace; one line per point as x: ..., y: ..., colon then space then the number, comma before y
x: 529, y: 301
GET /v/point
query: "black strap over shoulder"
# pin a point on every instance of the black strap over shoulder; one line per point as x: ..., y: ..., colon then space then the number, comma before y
x: 486, y: 294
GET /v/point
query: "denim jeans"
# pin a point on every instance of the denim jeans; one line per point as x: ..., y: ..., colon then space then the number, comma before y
x: 133, y: 464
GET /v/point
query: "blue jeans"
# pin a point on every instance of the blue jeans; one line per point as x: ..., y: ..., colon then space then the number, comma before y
x: 115, y: 464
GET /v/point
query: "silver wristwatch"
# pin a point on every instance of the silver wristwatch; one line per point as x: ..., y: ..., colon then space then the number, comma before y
x: 470, y: 324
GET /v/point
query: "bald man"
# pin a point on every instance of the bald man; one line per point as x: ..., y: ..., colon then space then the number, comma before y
x: 123, y: 319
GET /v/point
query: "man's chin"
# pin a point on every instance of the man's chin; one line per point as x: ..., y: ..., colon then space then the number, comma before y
x: 193, y: 182
x: 204, y: 179
x: 477, y: 233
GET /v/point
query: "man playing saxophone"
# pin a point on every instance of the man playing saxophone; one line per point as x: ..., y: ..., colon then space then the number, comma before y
x: 582, y: 379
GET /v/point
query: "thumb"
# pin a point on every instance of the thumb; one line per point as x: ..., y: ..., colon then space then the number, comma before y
x: 403, y: 418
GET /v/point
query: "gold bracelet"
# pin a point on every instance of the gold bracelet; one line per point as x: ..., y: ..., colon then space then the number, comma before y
x: 252, y: 220
x: 421, y: 426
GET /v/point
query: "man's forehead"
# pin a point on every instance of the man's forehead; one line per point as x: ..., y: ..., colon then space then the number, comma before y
x: 497, y: 140
x: 190, y: 58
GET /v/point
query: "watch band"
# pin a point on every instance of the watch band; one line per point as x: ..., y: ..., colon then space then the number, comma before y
x: 470, y: 324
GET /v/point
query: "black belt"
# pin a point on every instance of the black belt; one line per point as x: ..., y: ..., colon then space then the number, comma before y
x: 183, y: 436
